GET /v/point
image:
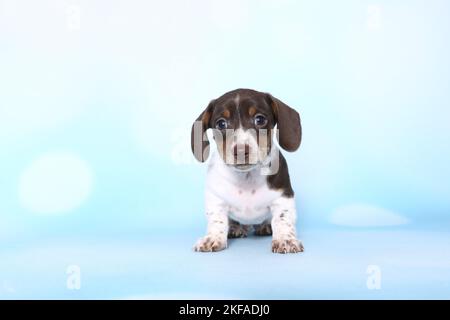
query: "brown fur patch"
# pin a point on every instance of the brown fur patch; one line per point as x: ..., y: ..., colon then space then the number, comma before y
x: 289, y: 126
x: 206, y: 117
x: 226, y: 114
x: 251, y: 111
x: 281, y: 180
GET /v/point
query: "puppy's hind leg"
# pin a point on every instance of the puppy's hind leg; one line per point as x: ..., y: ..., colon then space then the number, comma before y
x: 263, y: 229
x: 237, y: 230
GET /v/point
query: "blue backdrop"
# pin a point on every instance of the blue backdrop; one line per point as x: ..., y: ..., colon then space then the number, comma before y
x: 96, y: 103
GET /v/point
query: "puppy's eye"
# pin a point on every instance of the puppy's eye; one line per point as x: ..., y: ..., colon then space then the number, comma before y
x: 260, y: 120
x: 221, y: 124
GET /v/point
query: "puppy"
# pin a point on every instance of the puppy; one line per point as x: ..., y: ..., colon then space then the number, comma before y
x: 248, y: 185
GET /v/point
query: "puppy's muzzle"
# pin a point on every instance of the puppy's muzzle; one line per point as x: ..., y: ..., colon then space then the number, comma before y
x: 241, y: 153
x: 244, y: 156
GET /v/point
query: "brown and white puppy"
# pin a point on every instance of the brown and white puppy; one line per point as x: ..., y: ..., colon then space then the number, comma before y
x: 248, y: 182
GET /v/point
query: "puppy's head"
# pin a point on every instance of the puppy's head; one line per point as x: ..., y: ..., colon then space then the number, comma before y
x: 243, y: 122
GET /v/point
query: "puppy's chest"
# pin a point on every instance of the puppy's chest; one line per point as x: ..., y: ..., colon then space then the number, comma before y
x: 248, y: 200
x: 250, y: 205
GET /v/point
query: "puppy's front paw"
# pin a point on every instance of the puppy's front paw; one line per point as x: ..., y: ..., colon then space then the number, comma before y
x: 290, y: 245
x: 210, y: 243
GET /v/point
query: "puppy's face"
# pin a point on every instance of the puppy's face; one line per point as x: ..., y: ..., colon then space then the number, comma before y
x: 242, y: 125
x: 243, y: 122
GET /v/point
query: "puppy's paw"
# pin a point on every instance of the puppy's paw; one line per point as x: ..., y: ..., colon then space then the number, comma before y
x: 290, y: 245
x: 237, y: 230
x: 210, y: 243
x: 264, y: 229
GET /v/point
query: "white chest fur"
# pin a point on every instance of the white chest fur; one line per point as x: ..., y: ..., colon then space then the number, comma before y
x: 245, y: 195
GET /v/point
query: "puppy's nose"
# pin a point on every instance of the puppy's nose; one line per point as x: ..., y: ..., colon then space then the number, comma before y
x: 242, y: 150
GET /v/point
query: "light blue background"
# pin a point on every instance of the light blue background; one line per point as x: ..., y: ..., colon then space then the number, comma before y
x: 96, y: 102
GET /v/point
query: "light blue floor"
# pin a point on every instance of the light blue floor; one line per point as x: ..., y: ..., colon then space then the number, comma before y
x: 97, y: 100
x: 413, y: 263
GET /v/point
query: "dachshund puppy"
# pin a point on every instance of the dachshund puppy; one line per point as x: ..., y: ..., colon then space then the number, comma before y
x: 248, y: 185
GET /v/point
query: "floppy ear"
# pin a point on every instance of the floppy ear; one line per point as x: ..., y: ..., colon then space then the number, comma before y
x: 289, y: 133
x: 199, y: 138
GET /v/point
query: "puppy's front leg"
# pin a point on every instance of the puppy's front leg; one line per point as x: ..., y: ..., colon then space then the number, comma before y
x: 284, y: 238
x: 217, y: 233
